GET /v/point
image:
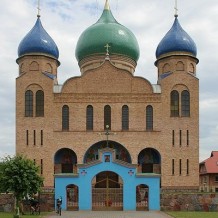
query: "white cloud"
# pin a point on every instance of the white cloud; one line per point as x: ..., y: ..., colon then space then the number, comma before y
x: 149, y: 21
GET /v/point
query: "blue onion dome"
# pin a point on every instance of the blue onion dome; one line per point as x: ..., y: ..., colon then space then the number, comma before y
x: 38, y: 41
x: 107, y: 31
x: 176, y: 40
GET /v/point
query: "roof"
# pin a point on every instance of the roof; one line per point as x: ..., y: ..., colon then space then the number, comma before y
x: 107, y: 31
x: 38, y: 41
x: 211, y: 164
x: 176, y: 40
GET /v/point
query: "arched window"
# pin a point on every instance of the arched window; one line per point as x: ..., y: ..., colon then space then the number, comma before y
x: 125, y: 117
x: 89, y: 117
x: 65, y: 117
x: 40, y: 103
x: 34, y: 66
x: 107, y: 117
x: 180, y: 66
x: 174, y: 105
x: 149, y: 117
x: 166, y: 68
x: 28, y: 103
x: 185, y: 103
x: 48, y: 68
x: 191, y: 68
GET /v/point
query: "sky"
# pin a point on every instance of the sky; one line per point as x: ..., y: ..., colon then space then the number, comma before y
x: 149, y: 20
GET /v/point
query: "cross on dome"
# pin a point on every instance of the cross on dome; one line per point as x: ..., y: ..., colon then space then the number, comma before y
x: 38, y: 8
x: 176, y: 9
x: 107, y: 6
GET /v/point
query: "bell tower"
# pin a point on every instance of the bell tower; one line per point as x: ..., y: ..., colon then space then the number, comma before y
x: 176, y: 62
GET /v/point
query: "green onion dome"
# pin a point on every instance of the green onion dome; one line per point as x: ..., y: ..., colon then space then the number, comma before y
x: 107, y: 31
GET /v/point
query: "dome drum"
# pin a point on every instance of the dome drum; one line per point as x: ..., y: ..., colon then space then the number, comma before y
x: 118, y: 61
x: 173, y: 63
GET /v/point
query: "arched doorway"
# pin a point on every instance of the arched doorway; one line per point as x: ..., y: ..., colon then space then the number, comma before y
x: 107, y: 191
x: 72, y: 193
x: 149, y: 161
x: 65, y: 161
x: 92, y: 153
x: 142, y: 197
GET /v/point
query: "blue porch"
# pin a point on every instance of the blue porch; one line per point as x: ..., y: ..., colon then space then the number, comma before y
x: 107, y: 162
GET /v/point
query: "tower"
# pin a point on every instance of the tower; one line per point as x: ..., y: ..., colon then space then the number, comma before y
x: 38, y: 62
x: 176, y: 63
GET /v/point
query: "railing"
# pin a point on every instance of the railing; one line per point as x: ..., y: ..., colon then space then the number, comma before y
x: 65, y: 168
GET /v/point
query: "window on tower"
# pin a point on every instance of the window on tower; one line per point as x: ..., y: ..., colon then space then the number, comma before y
x: 125, y: 117
x: 89, y: 117
x: 174, y: 107
x: 149, y: 118
x: 28, y: 103
x: 185, y: 100
x: 39, y: 103
x: 65, y: 118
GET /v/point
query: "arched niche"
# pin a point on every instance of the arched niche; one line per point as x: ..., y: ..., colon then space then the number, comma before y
x: 122, y: 153
x: 149, y: 161
x: 65, y: 161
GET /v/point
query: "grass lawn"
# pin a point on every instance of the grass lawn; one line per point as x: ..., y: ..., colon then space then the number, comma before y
x: 11, y: 215
x: 193, y: 214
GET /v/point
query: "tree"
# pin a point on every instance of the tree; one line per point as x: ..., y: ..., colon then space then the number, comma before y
x: 1, y: 187
x: 19, y: 176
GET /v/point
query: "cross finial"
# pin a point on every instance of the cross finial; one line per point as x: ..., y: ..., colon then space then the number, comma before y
x: 107, y: 6
x: 38, y: 8
x: 107, y: 46
x: 107, y: 133
x: 176, y: 9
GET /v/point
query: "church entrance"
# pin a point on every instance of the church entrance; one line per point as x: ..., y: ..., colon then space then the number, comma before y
x: 107, y: 191
x: 108, y: 183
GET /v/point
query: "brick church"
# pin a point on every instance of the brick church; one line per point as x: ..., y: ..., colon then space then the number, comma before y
x: 107, y: 139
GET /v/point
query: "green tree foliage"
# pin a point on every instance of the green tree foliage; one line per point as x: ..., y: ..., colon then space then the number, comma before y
x: 20, y: 176
x: 1, y: 186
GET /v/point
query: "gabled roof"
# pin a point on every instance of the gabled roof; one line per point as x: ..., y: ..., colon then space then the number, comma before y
x: 211, y: 164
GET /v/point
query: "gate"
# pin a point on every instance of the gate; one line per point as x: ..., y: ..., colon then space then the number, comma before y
x: 142, y: 195
x: 107, y: 192
x: 72, y: 197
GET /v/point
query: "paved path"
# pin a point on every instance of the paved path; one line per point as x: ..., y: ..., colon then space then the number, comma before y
x: 109, y: 214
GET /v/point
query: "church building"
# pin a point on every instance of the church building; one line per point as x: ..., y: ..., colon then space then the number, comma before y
x: 107, y: 139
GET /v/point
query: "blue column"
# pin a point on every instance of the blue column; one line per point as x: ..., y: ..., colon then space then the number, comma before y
x: 129, y: 196
x: 60, y: 191
x: 85, y: 194
x: 154, y: 195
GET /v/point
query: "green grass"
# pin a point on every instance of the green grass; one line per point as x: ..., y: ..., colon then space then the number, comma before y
x: 11, y: 215
x: 193, y: 214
